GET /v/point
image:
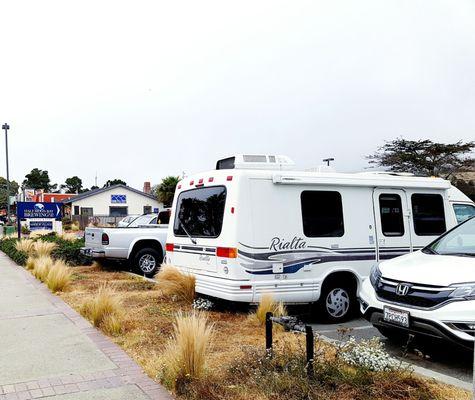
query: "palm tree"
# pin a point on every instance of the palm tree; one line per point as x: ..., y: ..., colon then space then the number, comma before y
x: 166, y: 190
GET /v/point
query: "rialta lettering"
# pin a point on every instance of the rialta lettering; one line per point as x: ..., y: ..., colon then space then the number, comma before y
x: 278, y: 244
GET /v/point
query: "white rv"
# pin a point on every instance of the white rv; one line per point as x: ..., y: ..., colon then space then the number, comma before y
x: 254, y: 226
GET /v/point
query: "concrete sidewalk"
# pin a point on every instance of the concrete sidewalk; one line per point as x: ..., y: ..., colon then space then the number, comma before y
x: 47, y: 350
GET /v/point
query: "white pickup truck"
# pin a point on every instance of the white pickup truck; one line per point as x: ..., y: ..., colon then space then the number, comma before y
x: 143, y: 247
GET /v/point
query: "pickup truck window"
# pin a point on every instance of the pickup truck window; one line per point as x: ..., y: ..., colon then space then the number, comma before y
x: 464, y: 211
x: 201, y: 211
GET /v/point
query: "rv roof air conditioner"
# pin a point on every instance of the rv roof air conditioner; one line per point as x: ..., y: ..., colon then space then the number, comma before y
x: 256, y: 161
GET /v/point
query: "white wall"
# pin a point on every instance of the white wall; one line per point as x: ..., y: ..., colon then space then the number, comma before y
x: 101, y: 202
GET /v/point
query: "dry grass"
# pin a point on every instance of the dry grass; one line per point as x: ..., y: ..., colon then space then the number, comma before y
x: 231, y: 373
x: 59, y: 276
x: 173, y: 282
x: 267, y: 304
x: 43, y: 249
x: 30, y: 263
x: 38, y: 233
x: 69, y: 236
x: 42, y: 266
x: 75, y: 227
x: 187, y: 352
x: 104, y: 310
x: 25, y: 246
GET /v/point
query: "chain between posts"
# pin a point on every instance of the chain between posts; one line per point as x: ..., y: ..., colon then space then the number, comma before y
x: 294, y: 325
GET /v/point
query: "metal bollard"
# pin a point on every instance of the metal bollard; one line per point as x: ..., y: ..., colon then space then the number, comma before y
x: 269, y: 332
x: 310, y: 353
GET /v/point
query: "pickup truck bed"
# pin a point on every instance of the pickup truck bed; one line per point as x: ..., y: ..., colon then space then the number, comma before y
x: 142, y: 247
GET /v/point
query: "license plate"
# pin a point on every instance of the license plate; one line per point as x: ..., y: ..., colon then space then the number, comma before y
x: 87, y: 252
x: 397, y: 317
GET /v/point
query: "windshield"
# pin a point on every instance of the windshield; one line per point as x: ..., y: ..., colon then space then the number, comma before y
x: 200, y: 211
x: 464, y: 211
x: 458, y: 242
x: 142, y: 220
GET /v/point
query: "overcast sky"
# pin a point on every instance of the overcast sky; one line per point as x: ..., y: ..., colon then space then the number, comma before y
x: 142, y: 89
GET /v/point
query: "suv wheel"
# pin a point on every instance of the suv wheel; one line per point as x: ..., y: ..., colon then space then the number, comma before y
x: 147, y: 261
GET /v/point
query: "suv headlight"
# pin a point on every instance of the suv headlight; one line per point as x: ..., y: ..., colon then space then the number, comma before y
x: 375, y: 275
x: 465, y: 290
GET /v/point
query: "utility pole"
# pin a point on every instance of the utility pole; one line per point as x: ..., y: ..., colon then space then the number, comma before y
x: 327, y: 160
x: 6, y: 127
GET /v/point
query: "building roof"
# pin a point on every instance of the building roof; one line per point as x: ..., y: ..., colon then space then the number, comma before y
x: 105, y: 189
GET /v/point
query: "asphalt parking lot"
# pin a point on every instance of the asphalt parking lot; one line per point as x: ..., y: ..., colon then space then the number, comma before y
x: 447, y: 359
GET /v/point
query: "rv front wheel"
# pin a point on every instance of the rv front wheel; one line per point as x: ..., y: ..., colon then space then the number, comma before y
x: 337, y: 302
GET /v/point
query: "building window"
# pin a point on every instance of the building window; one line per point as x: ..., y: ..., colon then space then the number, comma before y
x: 118, y: 198
x: 87, y: 211
x: 76, y: 210
x: 390, y: 208
x: 118, y: 211
x: 147, y: 209
x: 322, y: 214
x: 428, y: 214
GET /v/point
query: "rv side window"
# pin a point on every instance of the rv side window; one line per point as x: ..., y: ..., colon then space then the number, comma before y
x: 322, y: 214
x: 199, y: 212
x: 463, y: 212
x: 390, y: 208
x: 428, y: 214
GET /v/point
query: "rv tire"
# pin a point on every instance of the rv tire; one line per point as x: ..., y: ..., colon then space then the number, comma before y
x: 337, y: 302
x: 147, y: 261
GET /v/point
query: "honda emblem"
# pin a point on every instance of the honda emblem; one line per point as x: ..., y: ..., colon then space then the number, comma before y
x: 402, y: 289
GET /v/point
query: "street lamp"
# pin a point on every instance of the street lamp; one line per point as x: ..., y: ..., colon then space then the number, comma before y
x: 6, y: 127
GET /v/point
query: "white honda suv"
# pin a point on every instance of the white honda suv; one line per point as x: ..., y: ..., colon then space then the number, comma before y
x: 428, y: 293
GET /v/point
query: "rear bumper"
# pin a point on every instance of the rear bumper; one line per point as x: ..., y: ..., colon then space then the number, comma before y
x: 92, y: 252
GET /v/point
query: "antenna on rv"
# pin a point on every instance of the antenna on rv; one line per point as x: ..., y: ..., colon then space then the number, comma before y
x: 328, y: 160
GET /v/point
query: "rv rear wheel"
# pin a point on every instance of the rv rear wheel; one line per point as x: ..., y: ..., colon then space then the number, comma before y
x: 147, y: 261
x: 337, y: 302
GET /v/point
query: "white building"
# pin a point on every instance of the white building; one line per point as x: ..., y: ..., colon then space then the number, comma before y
x: 116, y: 201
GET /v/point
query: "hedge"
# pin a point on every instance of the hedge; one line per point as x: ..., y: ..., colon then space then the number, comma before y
x: 67, y: 250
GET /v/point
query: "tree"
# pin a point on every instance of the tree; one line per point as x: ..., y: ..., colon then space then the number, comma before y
x: 166, y: 190
x: 73, y: 185
x: 14, y: 186
x: 93, y: 187
x: 112, y: 182
x: 424, y: 157
x: 38, y: 179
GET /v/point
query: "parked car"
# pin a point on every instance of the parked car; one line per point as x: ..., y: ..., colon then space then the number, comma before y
x: 141, y: 245
x: 126, y: 221
x: 429, y: 293
x: 255, y: 226
x: 145, y: 219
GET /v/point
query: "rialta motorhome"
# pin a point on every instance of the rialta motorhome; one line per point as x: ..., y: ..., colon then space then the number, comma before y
x: 254, y: 226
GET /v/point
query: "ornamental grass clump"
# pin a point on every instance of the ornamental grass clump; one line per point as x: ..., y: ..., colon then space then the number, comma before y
x: 268, y: 304
x: 30, y: 263
x: 42, y: 267
x: 25, y: 245
x: 104, y: 310
x: 68, y: 236
x: 368, y: 354
x: 173, y: 282
x: 42, y: 248
x: 186, y: 354
x: 59, y: 276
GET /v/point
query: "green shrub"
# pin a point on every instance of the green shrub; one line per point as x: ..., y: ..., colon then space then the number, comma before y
x: 8, y: 246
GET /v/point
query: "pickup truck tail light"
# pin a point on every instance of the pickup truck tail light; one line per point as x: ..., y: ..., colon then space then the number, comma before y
x: 169, y: 247
x: 105, y: 238
x: 226, y: 252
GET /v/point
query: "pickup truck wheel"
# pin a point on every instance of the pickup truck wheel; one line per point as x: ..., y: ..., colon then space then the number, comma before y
x: 147, y: 261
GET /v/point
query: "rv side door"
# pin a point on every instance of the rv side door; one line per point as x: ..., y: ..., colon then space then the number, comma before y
x: 392, y: 219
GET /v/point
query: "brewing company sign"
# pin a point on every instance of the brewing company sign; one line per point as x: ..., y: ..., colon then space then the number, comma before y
x: 30, y: 209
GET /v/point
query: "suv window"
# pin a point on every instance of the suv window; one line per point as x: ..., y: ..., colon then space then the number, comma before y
x: 200, y: 211
x: 390, y: 208
x: 322, y: 213
x: 464, y: 212
x: 428, y: 214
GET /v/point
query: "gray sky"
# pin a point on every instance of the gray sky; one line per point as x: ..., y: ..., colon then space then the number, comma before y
x: 142, y: 89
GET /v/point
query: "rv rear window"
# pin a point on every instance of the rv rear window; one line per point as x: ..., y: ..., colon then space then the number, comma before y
x: 428, y: 214
x: 322, y: 214
x: 390, y: 208
x: 200, y: 212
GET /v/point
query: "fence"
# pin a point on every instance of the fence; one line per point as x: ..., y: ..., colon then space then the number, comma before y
x: 96, y: 220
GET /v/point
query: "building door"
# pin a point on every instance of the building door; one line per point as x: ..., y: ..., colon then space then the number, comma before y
x: 392, y: 223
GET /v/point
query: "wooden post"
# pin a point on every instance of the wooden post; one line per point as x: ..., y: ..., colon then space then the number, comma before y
x: 268, y: 332
x: 310, y: 353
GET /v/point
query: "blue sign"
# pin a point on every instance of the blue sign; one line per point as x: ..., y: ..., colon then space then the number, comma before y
x: 30, y: 209
x: 41, y: 225
x: 118, y: 198
x: 155, y: 210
